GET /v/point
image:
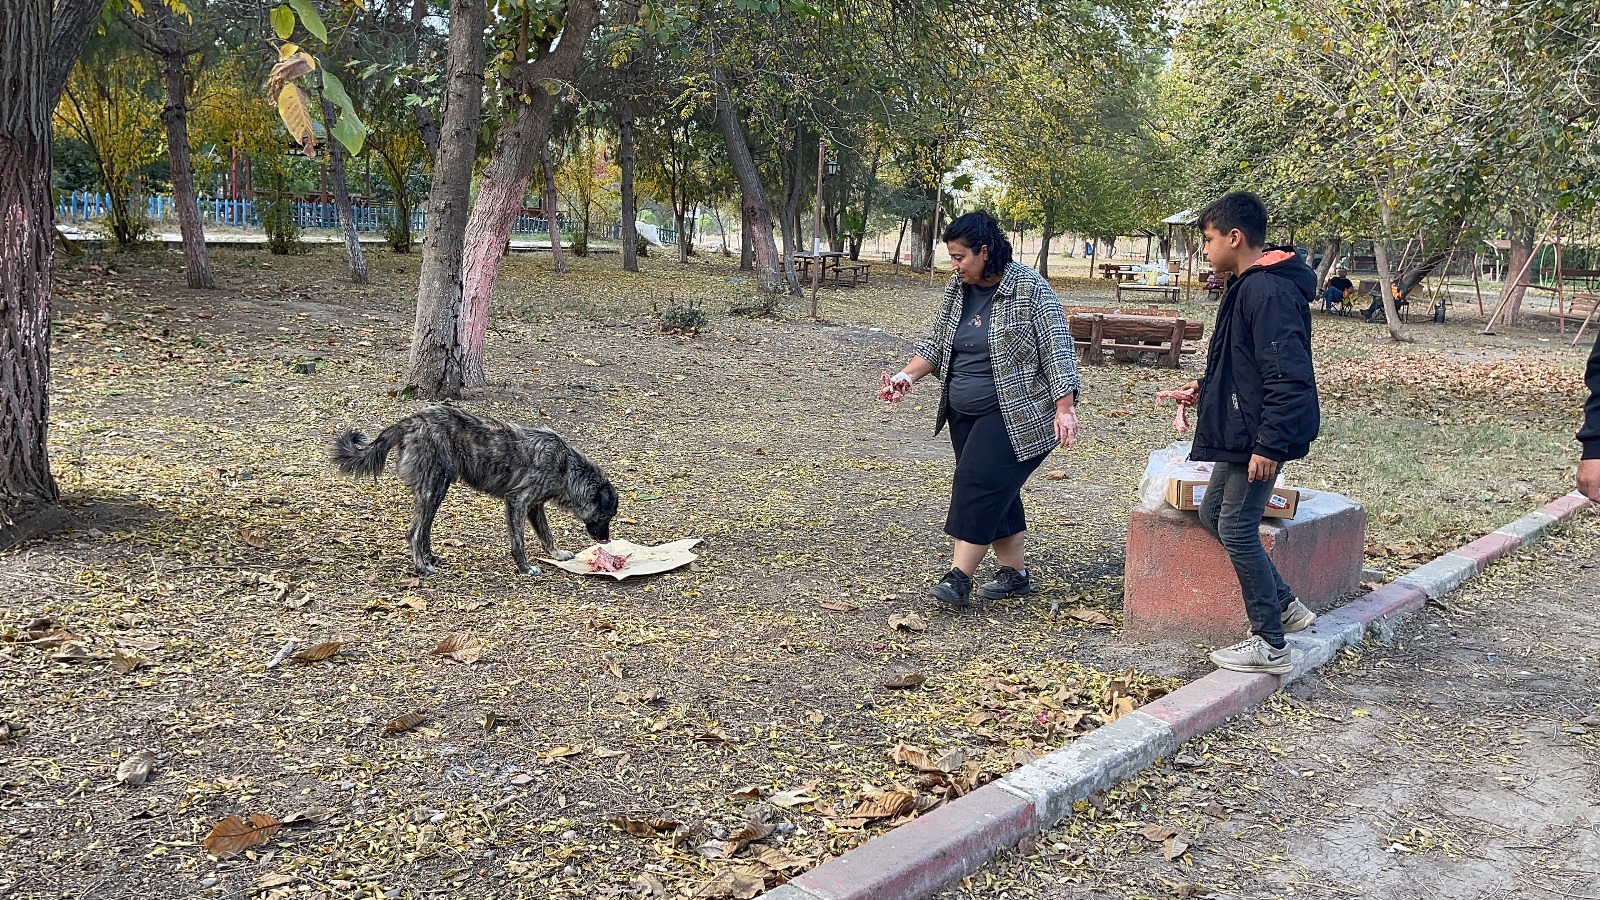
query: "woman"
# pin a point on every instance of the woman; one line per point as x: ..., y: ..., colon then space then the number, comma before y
x: 1008, y: 383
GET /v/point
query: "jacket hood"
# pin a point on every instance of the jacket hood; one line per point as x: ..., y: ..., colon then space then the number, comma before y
x: 1286, y: 265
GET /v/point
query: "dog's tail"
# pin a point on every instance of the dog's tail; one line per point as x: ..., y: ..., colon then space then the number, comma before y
x: 356, y: 454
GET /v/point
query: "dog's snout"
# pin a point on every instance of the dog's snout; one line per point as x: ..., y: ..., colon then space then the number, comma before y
x: 600, y: 531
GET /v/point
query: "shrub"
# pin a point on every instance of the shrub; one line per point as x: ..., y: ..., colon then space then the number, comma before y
x: 283, y: 232
x: 680, y: 318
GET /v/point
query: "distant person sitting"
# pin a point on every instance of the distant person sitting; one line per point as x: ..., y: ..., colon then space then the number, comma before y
x: 1377, y: 303
x: 1338, y: 287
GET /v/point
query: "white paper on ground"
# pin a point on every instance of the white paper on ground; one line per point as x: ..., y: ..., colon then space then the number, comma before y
x: 641, y: 560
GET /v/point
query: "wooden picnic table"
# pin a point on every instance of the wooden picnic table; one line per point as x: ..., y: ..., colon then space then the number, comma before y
x: 1128, y: 336
x: 1173, y: 292
x: 835, y: 268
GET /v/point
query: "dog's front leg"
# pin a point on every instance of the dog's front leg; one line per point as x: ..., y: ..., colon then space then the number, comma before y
x: 541, y: 527
x: 516, y: 514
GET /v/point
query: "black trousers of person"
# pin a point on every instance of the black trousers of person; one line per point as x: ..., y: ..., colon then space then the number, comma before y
x: 986, y: 498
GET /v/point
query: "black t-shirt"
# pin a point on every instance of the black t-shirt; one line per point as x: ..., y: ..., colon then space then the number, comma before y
x: 971, y: 370
x: 1340, y: 282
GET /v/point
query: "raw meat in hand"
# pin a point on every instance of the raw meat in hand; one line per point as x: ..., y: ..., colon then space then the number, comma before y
x: 893, y: 388
x: 606, y: 562
x: 1180, y: 422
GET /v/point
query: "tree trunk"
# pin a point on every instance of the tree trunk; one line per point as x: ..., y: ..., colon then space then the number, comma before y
x: 1043, y: 268
x: 505, y: 180
x: 630, y: 203
x: 26, y: 257
x: 437, y: 367
x: 1519, y: 266
x: 1330, y: 252
x: 549, y: 203
x: 747, y: 247
x: 679, y: 222
x: 722, y: 231
x: 341, y: 190
x: 425, y: 124
x: 868, y: 192
x: 758, y: 217
x: 793, y: 180
x: 901, y: 240
x: 1380, y: 251
x: 175, y: 116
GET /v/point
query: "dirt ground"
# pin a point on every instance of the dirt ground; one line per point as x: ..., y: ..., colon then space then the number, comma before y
x: 1463, y: 762
x: 685, y: 733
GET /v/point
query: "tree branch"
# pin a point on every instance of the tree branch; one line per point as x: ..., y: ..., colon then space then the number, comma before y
x: 72, y: 23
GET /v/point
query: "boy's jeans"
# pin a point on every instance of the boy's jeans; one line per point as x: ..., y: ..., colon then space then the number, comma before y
x: 1232, y: 511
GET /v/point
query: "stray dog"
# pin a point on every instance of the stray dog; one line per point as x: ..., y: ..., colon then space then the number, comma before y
x: 528, y: 467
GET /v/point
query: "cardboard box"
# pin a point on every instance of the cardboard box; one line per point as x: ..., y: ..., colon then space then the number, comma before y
x: 1183, y: 493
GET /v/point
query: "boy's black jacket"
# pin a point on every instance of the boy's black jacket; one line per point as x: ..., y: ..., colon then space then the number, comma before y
x: 1259, y: 394
x: 1589, y: 435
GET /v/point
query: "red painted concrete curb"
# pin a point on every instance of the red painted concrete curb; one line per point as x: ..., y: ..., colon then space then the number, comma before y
x: 1487, y: 549
x: 928, y: 852
x: 934, y: 851
x: 1389, y: 600
x: 1202, y: 705
x: 1566, y: 507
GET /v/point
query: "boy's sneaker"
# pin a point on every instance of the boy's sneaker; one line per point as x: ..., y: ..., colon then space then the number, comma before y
x: 1254, y: 655
x: 1006, y: 583
x: 1297, y: 617
x: 955, y: 588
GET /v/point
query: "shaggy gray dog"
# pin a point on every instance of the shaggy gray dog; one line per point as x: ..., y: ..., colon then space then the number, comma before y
x: 527, y: 467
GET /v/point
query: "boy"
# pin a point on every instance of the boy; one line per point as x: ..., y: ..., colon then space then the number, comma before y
x: 1257, y: 406
x: 1589, y: 434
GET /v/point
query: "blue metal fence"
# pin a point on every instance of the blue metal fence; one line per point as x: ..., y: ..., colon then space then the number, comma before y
x: 82, y: 207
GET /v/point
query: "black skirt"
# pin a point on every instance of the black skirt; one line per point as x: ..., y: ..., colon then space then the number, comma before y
x: 986, y: 498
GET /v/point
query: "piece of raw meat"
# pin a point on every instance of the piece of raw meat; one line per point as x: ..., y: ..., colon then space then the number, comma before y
x: 1180, y: 421
x: 606, y: 562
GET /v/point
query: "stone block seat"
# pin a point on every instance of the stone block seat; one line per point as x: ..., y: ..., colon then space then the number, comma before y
x: 1180, y: 585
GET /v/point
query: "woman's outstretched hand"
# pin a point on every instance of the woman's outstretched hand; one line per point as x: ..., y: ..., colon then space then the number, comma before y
x: 895, y: 387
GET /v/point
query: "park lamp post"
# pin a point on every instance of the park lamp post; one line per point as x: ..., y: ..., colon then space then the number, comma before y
x: 825, y: 168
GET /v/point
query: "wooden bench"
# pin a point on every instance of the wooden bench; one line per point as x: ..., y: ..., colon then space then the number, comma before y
x: 1119, y: 310
x: 1171, y: 292
x: 1128, y: 336
x: 858, y: 273
x: 1580, y: 309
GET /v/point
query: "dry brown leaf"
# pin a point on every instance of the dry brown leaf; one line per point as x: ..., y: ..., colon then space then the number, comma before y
x: 648, y: 887
x: 1157, y: 832
x: 1175, y: 846
x: 732, y: 885
x: 644, y: 827
x: 45, y: 640
x: 778, y: 861
x: 317, y: 652
x: 123, y: 662
x: 790, y: 799
x: 712, y: 736
x: 77, y: 653
x: 461, y: 647
x: 252, y: 539
x: 1055, y: 474
x: 748, y: 792
x: 288, y: 69
x: 909, y: 621
x: 878, y: 804
x: 1088, y: 616
x: 563, y: 752
x: 915, y: 757
x: 405, y: 723
x: 751, y: 832
x: 136, y: 769
x: 902, y: 680
x: 234, y: 835
x: 839, y: 606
